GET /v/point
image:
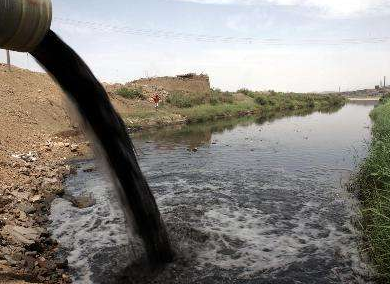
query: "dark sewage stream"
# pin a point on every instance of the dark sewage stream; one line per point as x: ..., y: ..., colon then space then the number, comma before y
x: 251, y: 200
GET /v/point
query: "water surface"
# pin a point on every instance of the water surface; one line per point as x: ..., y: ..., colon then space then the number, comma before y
x: 253, y: 200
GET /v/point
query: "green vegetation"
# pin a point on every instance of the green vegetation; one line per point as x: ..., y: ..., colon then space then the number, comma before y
x: 297, y: 101
x: 254, y: 94
x: 218, y: 104
x: 188, y: 100
x: 293, y: 101
x: 211, y: 112
x: 199, y: 107
x: 247, y: 92
x: 373, y: 186
x: 134, y: 93
x: 218, y: 97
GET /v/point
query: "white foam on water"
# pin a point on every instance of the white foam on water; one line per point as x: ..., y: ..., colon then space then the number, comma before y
x: 85, y: 232
x: 251, y: 214
x: 254, y: 242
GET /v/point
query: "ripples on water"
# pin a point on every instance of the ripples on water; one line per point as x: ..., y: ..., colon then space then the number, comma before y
x: 245, y: 201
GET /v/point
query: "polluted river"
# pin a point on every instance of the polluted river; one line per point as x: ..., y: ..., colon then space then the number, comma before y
x: 249, y: 200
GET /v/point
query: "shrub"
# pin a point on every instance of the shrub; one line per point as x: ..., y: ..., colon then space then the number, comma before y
x: 263, y: 99
x: 247, y: 92
x: 218, y: 97
x: 135, y: 93
x: 309, y: 100
x: 292, y: 101
x: 186, y: 100
x: 384, y: 98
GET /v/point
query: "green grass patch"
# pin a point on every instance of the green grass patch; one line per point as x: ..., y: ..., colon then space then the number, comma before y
x: 211, y: 112
x: 261, y: 104
x: 293, y: 101
x: 188, y: 100
x: 219, y: 97
x: 373, y: 186
x: 130, y: 93
x: 248, y: 93
x: 144, y: 117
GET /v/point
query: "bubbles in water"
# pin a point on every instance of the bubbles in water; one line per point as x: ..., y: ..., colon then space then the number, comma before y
x: 92, y: 235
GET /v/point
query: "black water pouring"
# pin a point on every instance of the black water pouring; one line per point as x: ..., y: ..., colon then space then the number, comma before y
x: 25, y: 27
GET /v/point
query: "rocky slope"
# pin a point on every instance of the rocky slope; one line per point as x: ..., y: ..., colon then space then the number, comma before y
x: 37, y: 136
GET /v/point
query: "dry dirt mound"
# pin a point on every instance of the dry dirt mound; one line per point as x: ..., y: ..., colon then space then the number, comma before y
x: 31, y: 106
x: 32, y: 109
x: 164, y: 86
x: 36, y: 134
x: 191, y: 83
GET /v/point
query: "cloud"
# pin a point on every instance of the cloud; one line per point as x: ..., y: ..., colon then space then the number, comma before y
x: 340, y: 8
x: 348, y: 7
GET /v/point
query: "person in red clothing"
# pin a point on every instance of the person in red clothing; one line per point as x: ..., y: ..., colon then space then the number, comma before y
x: 156, y: 99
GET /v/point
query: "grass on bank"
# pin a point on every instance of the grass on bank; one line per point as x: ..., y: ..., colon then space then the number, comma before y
x: 373, y: 185
x: 193, y: 107
x: 217, y: 104
x: 130, y: 93
x: 208, y: 112
x: 188, y: 100
x: 291, y: 101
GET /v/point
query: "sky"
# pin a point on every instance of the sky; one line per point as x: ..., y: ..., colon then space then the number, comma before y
x: 283, y: 45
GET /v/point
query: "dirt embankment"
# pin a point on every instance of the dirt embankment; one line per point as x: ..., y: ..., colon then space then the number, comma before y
x: 192, y: 83
x: 36, y: 138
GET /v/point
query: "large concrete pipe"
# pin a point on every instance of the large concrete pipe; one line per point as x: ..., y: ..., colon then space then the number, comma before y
x: 24, y: 23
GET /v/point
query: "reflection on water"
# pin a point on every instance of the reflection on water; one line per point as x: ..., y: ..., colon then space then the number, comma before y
x: 364, y: 102
x: 195, y: 135
x: 260, y: 201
